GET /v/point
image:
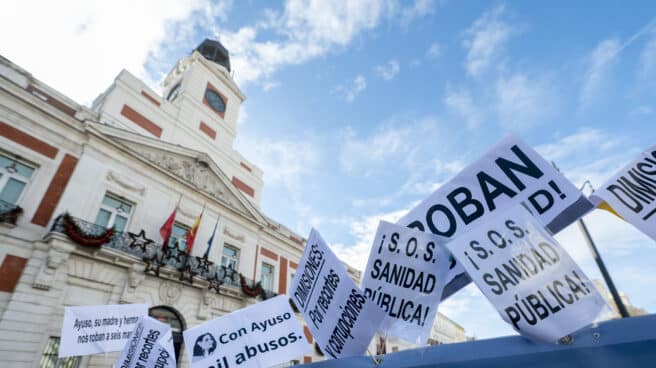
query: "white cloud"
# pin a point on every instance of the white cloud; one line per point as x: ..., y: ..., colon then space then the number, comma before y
x: 648, y: 60
x: 352, y: 90
x: 484, y: 39
x: 460, y: 102
x: 523, y: 102
x: 434, y: 51
x: 79, y: 47
x: 389, y: 70
x: 363, y: 230
x: 598, y: 64
x: 418, y: 9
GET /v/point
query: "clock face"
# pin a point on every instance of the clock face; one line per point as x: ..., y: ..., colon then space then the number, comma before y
x: 215, y: 101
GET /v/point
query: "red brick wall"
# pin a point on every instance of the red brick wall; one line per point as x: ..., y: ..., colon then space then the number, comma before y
x: 141, y: 121
x: 150, y: 98
x: 307, y: 359
x: 27, y: 140
x: 52, y: 101
x: 10, y: 271
x: 282, y: 278
x: 307, y: 333
x: 207, y: 130
x: 243, y: 186
x: 268, y: 253
x: 55, y: 190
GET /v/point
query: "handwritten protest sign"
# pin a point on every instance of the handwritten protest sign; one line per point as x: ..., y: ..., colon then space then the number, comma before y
x: 150, y: 346
x: 94, y: 329
x: 510, y: 173
x: 338, y: 315
x: 405, y: 275
x: 262, y: 335
x: 632, y: 192
x: 529, y: 278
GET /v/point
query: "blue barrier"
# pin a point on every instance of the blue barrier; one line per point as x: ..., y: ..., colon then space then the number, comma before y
x: 629, y: 342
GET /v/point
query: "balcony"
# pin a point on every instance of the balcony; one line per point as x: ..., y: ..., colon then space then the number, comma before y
x: 9, y: 213
x: 88, y: 235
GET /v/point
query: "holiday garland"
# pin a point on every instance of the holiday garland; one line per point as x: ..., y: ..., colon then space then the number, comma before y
x: 254, y: 290
x: 81, y: 237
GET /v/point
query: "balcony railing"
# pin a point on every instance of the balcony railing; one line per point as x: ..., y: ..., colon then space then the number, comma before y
x: 88, y: 234
x: 9, y: 212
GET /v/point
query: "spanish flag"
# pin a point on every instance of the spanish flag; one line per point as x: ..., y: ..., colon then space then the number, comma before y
x: 191, y: 234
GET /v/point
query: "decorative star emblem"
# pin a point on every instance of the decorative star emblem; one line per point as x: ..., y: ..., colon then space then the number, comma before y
x: 188, y: 273
x: 204, y: 264
x: 215, y: 282
x: 153, y: 264
x: 172, y: 252
x: 139, y: 240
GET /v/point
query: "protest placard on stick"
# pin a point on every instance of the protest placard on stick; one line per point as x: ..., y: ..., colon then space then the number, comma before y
x: 405, y: 275
x: 529, y: 278
x: 94, y: 329
x: 262, y: 335
x: 340, y: 318
x: 150, y: 346
x: 509, y: 173
x: 631, y: 192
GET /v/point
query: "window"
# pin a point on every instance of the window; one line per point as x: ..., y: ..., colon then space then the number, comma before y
x: 179, y: 236
x: 49, y: 359
x: 230, y: 257
x: 175, y: 91
x: 114, y: 211
x: 267, y: 276
x: 14, y: 176
x: 171, y: 317
x: 215, y: 101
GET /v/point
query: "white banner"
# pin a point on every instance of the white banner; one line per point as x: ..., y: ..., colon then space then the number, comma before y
x: 261, y: 335
x: 510, y: 173
x: 632, y: 192
x: 529, y: 278
x: 405, y: 275
x: 94, y: 329
x: 337, y: 313
x: 150, y: 345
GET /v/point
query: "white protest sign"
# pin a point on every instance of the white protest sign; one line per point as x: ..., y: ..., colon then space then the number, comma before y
x: 94, y: 329
x: 261, y: 335
x: 510, y: 173
x: 405, y: 275
x: 528, y: 277
x: 150, y: 346
x: 337, y: 313
x: 632, y: 192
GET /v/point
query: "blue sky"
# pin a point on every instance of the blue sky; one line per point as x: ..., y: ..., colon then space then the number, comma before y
x: 357, y: 112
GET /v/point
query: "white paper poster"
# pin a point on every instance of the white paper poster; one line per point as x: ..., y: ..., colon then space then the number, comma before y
x: 405, y: 276
x: 632, y: 192
x: 510, y: 173
x: 94, y: 329
x: 150, y: 346
x: 529, y: 278
x: 261, y: 335
x: 340, y: 318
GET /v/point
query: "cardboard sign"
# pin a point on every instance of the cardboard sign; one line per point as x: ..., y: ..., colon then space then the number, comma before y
x: 529, y: 278
x: 510, y: 173
x: 405, y: 275
x: 262, y: 335
x: 632, y: 192
x: 150, y: 345
x: 341, y: 319
x: 94, y: 329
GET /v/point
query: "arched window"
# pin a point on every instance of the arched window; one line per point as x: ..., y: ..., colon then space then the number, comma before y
x: 174, y: 92
x: 173, y: 318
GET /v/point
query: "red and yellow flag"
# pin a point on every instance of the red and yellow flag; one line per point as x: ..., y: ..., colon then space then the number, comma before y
x: 191, y: 234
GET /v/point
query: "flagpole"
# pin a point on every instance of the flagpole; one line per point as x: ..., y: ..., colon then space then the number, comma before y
x: 597, y: 257
x: 600, y: 263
